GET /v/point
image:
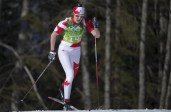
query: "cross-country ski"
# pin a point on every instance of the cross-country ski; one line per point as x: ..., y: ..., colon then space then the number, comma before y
x: 63, y: 103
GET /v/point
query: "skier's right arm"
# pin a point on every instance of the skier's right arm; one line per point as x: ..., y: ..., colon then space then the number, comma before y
x: 52, y: 52
x: 53, y: 40
x: 58, y: 30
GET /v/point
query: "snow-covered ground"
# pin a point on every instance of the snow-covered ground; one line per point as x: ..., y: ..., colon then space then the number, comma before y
x: 119, y: 110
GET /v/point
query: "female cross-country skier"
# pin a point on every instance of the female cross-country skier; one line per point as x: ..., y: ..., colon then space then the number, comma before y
x: 69, y: 49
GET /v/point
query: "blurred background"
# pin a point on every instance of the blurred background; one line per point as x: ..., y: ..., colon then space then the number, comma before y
x: 133, y: 55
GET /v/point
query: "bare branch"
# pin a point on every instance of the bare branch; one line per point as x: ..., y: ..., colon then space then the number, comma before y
x: 26, y: 70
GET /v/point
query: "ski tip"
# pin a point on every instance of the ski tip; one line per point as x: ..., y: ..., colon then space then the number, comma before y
x: 50, y: 98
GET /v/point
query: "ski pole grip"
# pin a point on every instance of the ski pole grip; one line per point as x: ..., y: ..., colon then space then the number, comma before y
x: 95, y: 23
x: 94, y: 19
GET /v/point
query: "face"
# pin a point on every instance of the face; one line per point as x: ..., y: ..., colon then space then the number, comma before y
x: 78, y: 18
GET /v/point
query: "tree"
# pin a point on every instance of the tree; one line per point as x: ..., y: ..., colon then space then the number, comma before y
x: 163, y: 97
x: 162, y: 32
x: 168, y: 94
x: 107, y: 55
x: 85, y: 72
x: 142, y: 56
x: 22, y: 41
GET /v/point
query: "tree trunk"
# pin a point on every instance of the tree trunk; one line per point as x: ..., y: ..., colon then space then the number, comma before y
x: 107, y: 55
x: 85, y: 74
x: 117, y: 26
x: 22, y: 34
x: 168, y: 93
x: 166, y: 66
x: 162, y: 34
x: 13, y: 105
x: 142, y: 56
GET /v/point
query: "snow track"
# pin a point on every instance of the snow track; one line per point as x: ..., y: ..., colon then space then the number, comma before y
x: 115, y: 110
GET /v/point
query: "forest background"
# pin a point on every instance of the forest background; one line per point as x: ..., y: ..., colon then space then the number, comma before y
x: 133, y: 55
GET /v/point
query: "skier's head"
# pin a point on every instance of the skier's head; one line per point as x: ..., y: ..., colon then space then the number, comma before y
x: 78, y: 10
x: 78, y: 13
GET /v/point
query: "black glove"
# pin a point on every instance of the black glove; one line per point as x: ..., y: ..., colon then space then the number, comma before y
x: 51, y: 55
x: 95, y: 23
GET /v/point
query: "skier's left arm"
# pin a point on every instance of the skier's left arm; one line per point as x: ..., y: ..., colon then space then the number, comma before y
x: 93, y: 28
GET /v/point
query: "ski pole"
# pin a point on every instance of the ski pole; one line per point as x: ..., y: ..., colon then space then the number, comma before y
x: 97, y: 79
x: 36, y: 80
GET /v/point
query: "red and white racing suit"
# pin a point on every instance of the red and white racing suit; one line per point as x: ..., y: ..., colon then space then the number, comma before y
x: 69, y: 49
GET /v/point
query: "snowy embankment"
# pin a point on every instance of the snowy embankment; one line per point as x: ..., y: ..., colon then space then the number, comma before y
x: 119, y: 110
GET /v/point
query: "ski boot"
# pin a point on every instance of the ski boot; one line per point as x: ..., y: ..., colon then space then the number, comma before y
x: 67, y: 106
